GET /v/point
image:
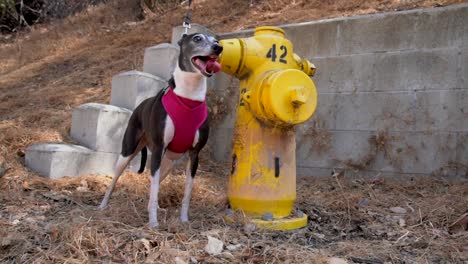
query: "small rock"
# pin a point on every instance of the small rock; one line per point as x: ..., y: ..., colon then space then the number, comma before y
x: 363, y: 202
x: 267, y: 217
x: 5, y: 242
x: 214, y: 246
x: 193, y: 260
x: 401, y: 222
x: 337, y: 261
x: 2, y: 169
x: 298, y: 213
x: 15, y: 222
x: 398, y: 210
x: 249, y: 227
x: 321, y: 236
x: 83, y: 187
x: 145, y: 242
x: 233, y: 247
x: 179, y: 261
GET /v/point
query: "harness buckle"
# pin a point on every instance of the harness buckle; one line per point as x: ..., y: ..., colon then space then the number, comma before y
x: 186, y: 26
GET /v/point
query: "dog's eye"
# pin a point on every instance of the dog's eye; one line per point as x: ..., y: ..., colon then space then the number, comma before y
x: 197, y: 39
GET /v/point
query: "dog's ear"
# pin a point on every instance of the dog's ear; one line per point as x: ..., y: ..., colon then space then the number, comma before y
x: 182, y: 38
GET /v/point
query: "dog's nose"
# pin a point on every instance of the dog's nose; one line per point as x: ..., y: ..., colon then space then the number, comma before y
x: 217, y: 48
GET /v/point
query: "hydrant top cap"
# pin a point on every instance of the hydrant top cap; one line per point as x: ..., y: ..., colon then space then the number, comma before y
x: 269, y: 30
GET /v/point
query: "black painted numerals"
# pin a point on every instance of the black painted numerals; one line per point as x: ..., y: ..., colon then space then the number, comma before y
x: 272, y: 53
x: 243, y: 91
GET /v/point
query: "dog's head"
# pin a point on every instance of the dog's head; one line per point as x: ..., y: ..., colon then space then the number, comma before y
x: 199, y: 54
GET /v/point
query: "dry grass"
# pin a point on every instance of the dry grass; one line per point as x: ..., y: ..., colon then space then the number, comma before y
x: 57, y: 221
x: 48, y: 71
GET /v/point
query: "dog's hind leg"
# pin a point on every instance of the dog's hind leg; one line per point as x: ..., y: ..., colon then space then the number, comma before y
x: 120, y: 166
x: 192, y: 165
x: 133, y: 142
x: 153, y: 205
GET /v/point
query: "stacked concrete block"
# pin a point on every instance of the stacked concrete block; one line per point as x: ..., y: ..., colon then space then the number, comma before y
x: 58, y: 160
x: 130, y: 88
x: 160, y: 60
x: 100, y: 127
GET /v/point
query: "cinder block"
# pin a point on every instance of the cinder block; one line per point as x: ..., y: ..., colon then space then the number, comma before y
x: 442, y: 110
x: 345, y: 73
x: 130, y: 88
x: 399, y: 152
x: 314, y: 39
x: 220, y: 143
x: 423, y: 28
x: 58, y: 160
x: 195, y: 28
x: 160, y: 60
x: 374, y: 111
x: 442, y: 27
x: 136, y: 162
x: 237, y: 34
x: 314, y: 172
x: 462, y: 154
x: 464, y: 67
x: 375, y: 33
x: 322, y: 148
x: 417, y: 70
x: 325, y: 113
x: 100, y: 127
x: 392, y: 71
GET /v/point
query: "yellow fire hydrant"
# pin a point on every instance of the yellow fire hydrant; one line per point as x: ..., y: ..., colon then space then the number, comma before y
x: 276, y: 93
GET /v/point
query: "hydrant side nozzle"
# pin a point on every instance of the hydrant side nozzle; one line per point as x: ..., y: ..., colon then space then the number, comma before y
x: 306, y: 66
x: 232, y: 56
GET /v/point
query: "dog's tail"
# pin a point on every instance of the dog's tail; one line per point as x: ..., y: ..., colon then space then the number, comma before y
x: 144, y: 153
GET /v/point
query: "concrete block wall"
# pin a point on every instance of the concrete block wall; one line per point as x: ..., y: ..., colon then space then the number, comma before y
x: 393, y: 94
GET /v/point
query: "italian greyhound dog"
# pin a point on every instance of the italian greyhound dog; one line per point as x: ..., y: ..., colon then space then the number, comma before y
x: 173, y: 122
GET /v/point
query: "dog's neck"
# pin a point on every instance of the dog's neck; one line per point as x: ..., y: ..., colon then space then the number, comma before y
x: 189, y: 85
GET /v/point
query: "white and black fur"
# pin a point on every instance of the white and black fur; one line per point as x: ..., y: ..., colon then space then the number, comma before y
x: 151, y: 127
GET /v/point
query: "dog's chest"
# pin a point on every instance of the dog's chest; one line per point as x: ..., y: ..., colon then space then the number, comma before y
x: 187, y: 117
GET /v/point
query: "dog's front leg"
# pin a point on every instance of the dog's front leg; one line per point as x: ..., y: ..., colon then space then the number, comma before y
x: 190, y: 171
x: 154, y: 189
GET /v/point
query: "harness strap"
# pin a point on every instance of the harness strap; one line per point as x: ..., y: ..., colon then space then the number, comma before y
x: 187, y: 19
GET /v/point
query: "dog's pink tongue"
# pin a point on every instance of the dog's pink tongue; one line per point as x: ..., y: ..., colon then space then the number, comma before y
x: 213, y: 66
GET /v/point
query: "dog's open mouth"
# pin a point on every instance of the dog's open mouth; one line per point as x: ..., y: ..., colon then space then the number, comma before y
x: 208, y: 65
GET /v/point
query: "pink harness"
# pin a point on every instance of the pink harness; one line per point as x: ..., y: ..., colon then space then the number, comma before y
x: 187, y: 115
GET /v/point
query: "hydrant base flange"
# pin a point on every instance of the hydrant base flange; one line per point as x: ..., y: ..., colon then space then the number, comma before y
x: 282, y: 224
x: 279, y: 224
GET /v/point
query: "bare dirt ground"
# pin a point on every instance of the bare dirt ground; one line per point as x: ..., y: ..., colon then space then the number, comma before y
x: 49, y: 69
